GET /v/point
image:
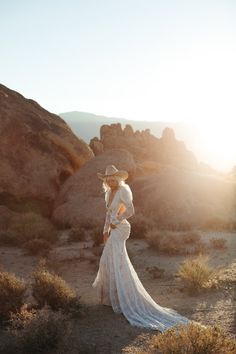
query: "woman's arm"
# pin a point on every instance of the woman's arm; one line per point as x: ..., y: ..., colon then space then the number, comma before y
x: 127, y: 199
x: 107, y: 223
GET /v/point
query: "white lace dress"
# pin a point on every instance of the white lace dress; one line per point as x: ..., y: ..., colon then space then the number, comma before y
x: 117, y: 282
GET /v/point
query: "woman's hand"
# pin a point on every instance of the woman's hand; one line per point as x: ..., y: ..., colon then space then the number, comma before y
x: 112, y: 226
x: 105, y: 237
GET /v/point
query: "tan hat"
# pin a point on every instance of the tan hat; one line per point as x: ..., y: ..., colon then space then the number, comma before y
x: 111, y: 170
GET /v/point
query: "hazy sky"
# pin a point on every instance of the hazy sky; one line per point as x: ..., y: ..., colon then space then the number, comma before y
x: 151, y: 60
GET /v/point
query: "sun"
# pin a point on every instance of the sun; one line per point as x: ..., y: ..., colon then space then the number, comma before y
x: 216, y: 144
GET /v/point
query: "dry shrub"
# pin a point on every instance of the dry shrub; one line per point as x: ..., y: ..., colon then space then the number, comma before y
x: 31, y: 225
x: 175, y: 243
x: 179, y: 226
x: 192, y: 339
x: 8, y: 238
x: 191, y: 237
x: 218, y: 243
x: 218, y: 224
x: 155, y: 272
x: 139, y: 226
x: 97, y: 250
x: 50, y: 289
x: 97, y: 236
x: 37, y: 246
x: 89, y: 223
x: 196, y: 274
x: 77, y: 234
x: 12, y: 293
x: 38, y: 331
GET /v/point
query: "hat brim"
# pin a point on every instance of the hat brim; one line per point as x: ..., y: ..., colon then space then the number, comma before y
x: 122, y: 173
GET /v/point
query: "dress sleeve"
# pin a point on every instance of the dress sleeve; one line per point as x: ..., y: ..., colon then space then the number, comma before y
x: 107, y: 223
x: 127, y: 199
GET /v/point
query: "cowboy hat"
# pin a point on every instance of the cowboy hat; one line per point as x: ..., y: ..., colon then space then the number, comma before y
x: 111, y: 170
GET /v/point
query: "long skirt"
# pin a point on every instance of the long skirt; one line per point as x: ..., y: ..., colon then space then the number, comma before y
x: 119, y: 286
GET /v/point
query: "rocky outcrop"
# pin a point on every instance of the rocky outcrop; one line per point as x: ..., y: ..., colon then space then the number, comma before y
x: 81, y: 200
x: 144, y: 146
x: 174, y: 196
x: 38, y: 152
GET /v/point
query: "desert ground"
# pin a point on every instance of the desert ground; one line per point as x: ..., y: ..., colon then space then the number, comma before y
x: 100, y: 330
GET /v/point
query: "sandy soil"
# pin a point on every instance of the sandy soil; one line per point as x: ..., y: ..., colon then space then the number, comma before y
x: 103, y: 331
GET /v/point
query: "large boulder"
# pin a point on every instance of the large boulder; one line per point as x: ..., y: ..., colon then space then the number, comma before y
x: 174, y: 196
x: 81, y: 199
x: 38, y: 152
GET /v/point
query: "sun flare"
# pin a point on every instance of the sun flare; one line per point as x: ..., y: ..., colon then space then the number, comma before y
x: 216, y: 144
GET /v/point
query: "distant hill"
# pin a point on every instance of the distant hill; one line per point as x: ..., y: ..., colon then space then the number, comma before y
x: 87, y: 125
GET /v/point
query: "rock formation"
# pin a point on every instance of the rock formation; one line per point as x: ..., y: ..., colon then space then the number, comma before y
x: 81, y: 198
x: 174, y: 196
x: 38, y: 152
x: 144, y: 146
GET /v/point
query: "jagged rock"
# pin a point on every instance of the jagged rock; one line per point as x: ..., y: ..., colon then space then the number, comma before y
x: 168, y: 135
x: 38, y: 152
x: 128, y: 130
x: 81, y: 200
x: 114, y: 129
x: 146, y: 147
x: 97, y: 146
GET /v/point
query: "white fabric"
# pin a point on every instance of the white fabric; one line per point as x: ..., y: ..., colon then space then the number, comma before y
x: 117, y: 282
x: 123, y: 197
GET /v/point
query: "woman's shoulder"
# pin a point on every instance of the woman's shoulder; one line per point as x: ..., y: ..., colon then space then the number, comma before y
x: 125, y: 187
x: 125, y: 191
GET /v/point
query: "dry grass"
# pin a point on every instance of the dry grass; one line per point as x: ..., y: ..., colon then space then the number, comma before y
x: 196, y: 274
x: 12, y: 293
x: 191, y: 339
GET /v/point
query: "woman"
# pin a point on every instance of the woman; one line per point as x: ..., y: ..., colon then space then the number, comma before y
x: 116, y: 281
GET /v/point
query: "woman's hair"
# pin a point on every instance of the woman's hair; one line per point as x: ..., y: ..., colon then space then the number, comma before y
x: 106, y: 187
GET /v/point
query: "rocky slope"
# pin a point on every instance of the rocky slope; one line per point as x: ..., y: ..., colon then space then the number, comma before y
x: 38, y: 152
